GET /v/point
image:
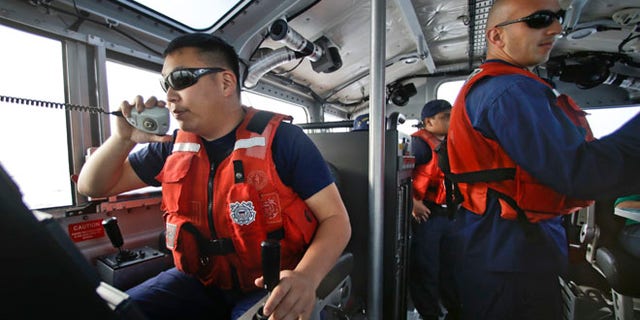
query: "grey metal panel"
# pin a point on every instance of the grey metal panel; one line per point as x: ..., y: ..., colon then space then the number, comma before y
x: 350, y: 158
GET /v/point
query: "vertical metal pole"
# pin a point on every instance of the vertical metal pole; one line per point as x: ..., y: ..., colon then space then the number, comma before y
x: 102, y: 98
x: 377, y: 128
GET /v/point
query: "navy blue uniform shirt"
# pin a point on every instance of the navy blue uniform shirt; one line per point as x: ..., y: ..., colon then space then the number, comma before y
x: 520, y: 114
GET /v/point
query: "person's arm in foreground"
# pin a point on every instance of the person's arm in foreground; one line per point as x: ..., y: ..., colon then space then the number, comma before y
x: 295, y: 295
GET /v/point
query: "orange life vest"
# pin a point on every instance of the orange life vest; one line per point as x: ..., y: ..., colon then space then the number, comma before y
x: 428, y: 179
x: 216, y: 219
x: 471, y: 154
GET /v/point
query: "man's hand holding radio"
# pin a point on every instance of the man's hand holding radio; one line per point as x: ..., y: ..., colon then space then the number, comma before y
x: 144, y: 122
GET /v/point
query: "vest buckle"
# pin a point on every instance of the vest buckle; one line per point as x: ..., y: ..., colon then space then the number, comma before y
x: 219, y: 247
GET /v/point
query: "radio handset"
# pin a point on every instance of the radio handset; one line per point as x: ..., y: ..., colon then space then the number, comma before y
x: 152, y: 120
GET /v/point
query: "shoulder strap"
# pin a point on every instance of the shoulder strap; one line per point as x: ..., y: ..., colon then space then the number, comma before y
x: 453, y: 195
x: 259, y: 121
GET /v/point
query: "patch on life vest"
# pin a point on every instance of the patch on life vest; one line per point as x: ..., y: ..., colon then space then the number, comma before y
x: 271, y: 207
x: 258, y: 179
x: 170, y: 235
x: 242, y: 213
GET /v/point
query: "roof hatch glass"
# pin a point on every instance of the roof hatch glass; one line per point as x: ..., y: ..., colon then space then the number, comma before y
x: 195, y: 14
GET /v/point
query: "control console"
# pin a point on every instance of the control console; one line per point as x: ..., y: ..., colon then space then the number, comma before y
x: 127, y: 268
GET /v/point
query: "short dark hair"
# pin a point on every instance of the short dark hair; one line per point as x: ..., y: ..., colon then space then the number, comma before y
x: 208, y: 43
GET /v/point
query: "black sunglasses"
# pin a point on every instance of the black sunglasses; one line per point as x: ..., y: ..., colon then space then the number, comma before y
x: 184, y: 78
x: 538, y: 20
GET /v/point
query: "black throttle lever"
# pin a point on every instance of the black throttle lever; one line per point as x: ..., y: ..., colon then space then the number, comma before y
x: 110, y: 225
x: 270, y: 268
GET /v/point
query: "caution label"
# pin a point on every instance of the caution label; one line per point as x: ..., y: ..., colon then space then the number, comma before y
x: 86, y: 230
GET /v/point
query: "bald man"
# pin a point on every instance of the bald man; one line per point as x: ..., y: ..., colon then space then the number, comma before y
x: 529, y: 159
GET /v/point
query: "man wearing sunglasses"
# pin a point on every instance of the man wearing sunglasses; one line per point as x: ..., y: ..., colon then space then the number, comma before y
x: 522, y: 156
x: 232, y: 176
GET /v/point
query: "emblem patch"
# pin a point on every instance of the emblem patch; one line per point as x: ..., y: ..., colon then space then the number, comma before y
x: 271, y: 206
x: 258, y: 179
x: 242, y: 213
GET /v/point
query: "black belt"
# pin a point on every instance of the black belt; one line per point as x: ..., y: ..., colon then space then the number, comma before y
x: 217, y: 247
x: 436, y: 209
x: 222, y: 246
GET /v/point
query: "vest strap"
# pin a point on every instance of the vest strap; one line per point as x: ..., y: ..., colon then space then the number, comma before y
x: 490, y: 175
x: 259, y: 121
x: 531, y: 230
x: 452, y: 193
x: 216, y: 247
x: 276, y: 234
x: 238, y: 171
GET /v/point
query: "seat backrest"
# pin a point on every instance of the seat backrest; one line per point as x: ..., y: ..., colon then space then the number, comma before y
x: 620, y: 269
x: 335, y: 277
x: 339, y: 272
x: 609, y: 224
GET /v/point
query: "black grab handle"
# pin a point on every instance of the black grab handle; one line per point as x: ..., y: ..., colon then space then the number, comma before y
x: 270, y: 269
x: 270, y: 263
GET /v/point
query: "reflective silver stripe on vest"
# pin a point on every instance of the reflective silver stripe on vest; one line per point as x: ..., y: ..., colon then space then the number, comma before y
x: 251, y: 142
x: 186, y: 146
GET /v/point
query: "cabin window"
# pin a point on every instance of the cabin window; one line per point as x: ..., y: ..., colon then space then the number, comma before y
x: 409, y: 127
x: 446, y: 91
x: 328, y: 117
x: 605, y: 121
x: 34, y: 144
x: 257, y: 101
x: 125, y: 82
x: 449, y: 90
